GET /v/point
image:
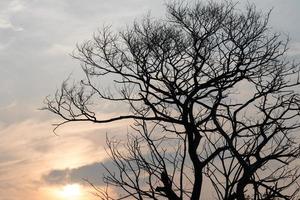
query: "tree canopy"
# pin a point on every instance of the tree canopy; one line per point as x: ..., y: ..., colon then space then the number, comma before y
x: 213, y: 95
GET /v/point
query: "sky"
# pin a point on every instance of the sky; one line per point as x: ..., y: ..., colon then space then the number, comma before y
x: 36, y: 40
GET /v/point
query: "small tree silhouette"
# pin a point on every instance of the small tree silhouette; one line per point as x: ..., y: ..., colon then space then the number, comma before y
x: 214, y: 103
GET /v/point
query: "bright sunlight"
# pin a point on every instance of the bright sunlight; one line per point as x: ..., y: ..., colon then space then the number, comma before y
x: 70, y: 191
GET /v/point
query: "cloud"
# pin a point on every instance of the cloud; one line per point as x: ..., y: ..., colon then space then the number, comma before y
x: 92, y: 172
x: 15, y: 6
x: 9, y: 8
x: 35, y: 38
x: 35, y: 61
x: 294, y: 50
x: 29, y: 149
x: 5, y: 24
x: 57, y: 176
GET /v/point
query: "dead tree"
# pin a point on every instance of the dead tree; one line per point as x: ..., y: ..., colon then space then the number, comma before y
x: 216, y: 83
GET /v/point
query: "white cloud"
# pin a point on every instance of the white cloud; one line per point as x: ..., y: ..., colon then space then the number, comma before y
x: 60, y: 49
x: 294, y: 49
x: 7, y: 12
x: 16, y: 6
x: 5, y: 24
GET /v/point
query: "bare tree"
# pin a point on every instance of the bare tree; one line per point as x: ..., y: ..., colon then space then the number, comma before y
x: 213, y: 96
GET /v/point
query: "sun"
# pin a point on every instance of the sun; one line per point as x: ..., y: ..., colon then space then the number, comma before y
x: 70, y: 191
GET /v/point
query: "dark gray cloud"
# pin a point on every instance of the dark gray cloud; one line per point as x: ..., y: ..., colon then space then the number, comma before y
x: 57, y: 176
x: 91, y: 172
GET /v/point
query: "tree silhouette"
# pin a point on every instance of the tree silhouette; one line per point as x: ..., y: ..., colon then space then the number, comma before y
x: 213, y: 97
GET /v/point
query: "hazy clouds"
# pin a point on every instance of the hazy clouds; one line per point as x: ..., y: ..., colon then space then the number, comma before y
x: 36, y: 38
